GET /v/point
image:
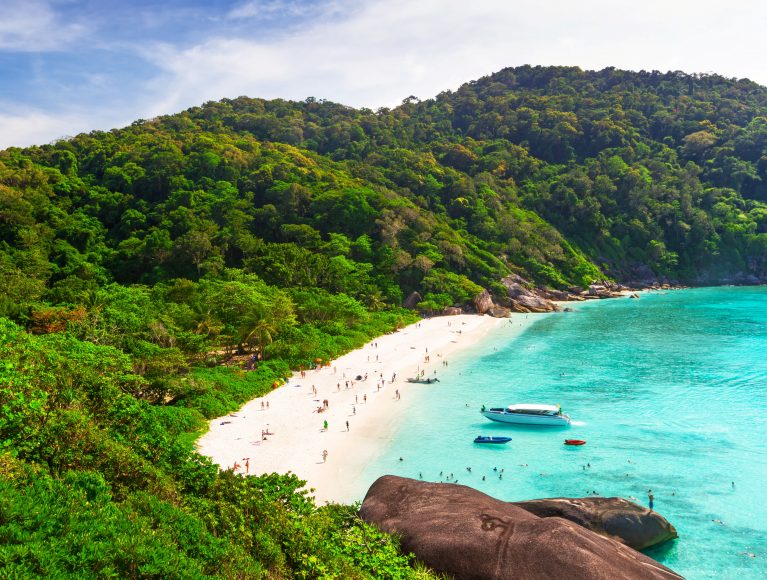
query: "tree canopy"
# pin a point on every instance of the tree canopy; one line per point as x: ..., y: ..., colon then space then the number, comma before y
x: 267, y: 234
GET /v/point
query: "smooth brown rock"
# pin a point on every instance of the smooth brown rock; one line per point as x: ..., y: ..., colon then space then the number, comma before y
x: 522, y: 299
x: 552, y: 294
x: 614, y: 517
x: 451, y: 311
x: 483, y: 302
x: 459, y: 531
x: 499, y: 311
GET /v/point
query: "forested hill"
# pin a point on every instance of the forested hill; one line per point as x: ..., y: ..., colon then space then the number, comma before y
x: 268, y: 234
x: 648, y: 174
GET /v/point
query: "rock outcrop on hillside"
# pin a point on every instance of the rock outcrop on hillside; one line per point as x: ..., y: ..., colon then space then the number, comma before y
x: 461, y: 532
x: 523, y: 299
x: 483, y: 302
x: 604, y: 289
x: 614, y: 517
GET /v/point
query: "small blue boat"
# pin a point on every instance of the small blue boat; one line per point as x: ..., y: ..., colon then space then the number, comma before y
x: 489, y: 439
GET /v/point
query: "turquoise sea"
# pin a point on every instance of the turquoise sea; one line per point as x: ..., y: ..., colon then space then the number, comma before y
x: 670, y: 392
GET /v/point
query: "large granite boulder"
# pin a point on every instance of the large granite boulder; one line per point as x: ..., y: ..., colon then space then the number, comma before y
x: 604, y: 289
x: 483, y: 302
x: 451, y: 311
x: 499, y: 311
x: 461, y: 532
x: 614, y: 517
x: 522, y: 299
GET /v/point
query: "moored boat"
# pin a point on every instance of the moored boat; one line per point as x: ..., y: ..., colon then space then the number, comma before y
x: 528, y: 414
x: 575, y: 442
x: 491, y: 439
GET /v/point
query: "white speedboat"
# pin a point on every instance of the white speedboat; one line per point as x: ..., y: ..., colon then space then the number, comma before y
x: 528, y: 414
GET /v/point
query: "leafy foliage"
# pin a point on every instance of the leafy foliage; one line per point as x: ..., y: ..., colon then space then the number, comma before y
x: 159, y: 275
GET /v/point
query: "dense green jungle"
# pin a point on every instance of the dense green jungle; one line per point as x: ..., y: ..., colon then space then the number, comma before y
x: 157, y: 276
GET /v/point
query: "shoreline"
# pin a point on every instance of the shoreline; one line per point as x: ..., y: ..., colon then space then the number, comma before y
x: 296, y: 436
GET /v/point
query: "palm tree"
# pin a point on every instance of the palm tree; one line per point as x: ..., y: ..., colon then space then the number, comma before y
x: 261, y: 334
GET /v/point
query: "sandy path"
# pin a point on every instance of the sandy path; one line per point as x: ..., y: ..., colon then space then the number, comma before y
x: 370, y: 407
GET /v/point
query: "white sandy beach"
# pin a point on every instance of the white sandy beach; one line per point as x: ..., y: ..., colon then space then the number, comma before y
x: 297, y: 439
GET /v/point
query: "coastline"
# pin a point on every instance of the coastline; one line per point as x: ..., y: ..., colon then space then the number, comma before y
x: 297, y: 437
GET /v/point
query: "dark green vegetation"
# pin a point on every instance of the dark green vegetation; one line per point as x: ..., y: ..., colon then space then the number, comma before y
x: 133, y: 262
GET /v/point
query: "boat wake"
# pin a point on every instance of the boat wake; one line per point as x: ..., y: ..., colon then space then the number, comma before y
x: 578, y: 423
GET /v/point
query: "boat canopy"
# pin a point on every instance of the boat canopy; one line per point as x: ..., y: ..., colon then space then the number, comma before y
x: 534, y: 409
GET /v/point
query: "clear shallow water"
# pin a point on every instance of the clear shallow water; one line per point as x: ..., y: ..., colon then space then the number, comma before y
x: 670, y: 391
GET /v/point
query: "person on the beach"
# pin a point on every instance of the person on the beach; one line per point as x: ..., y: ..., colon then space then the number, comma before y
x: 347, y: 425
x: 650, y: 498
x: 364, y: 398
x: 325, y: 425
x: 324, y: 455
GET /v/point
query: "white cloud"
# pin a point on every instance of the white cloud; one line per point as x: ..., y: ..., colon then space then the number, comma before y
x: 378, y: 52
x: 277, y: 8
x: 22, y: 129
x: 386, y: 50
x: 32, y: 25
x: 256, y: 8
x: 29, y: 126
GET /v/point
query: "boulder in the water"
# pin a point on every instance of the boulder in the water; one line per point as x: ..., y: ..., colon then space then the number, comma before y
x: 614, y: 517
x: 461, y: 532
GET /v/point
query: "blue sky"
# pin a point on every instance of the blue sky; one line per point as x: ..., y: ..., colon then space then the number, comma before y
x: 71, y: 66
